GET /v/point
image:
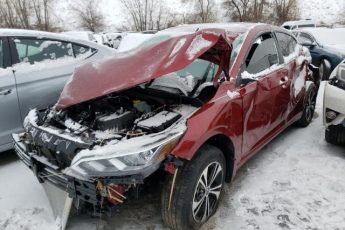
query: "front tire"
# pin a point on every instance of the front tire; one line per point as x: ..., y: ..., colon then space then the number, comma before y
x: 198, y: 187
x: 309, y: 106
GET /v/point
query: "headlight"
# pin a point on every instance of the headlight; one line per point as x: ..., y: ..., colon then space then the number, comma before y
x: 142, y: 162
x: 341, y: 73
x: 339, y: 79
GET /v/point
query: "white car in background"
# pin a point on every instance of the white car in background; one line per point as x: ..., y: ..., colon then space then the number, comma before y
x: 292, y: 25
x: 82, y: 35
x: 132, y: 40
x: 34, y: 67
x: 334, y: 106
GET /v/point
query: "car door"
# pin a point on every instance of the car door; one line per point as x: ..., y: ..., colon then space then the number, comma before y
x: 290, y: 93
x: 296, y: 70
x: 10, y: 120
x: 263, y: 79
x: 43, y: 66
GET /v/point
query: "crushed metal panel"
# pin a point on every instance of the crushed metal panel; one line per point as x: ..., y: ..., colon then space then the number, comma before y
x: 60, y: 203
x: 128, y: 69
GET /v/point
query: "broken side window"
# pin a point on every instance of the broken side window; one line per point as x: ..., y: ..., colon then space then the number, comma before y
x: 262, y: 54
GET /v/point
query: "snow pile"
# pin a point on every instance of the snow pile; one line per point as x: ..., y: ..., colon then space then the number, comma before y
x: 197, y: 45
x: 232, y: 94
x: 172, y: 80
x: 178, y: 47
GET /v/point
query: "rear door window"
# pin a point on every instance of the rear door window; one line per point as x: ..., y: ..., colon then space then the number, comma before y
x: 31, y: 50
x: 81, y: 51
x: 286, y: 43
x: 262, y: 54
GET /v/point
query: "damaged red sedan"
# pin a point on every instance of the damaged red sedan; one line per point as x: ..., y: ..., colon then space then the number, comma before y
x: 191, y: 104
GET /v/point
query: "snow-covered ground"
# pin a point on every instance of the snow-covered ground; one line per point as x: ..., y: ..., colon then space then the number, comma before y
x: 296, y: 182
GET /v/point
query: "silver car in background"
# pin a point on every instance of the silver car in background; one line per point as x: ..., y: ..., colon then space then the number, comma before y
x: 34, y: 67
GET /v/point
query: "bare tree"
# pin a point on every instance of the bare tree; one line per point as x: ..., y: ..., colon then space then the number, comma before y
x: 42, y: 10
x: 8, y: 15
x: 237, y: 10
x: 285, y: 10
x: 205, y: 10
x: 147, y: 14
x: 23, y: 10
x: 27, y: 14
x: 89, y: 16
x: 246, y: 10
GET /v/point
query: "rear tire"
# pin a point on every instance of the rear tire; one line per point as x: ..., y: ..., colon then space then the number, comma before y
x: 325, y: 69
x: 309, y: 106
x: 335, y: 134
x: 190, y: 198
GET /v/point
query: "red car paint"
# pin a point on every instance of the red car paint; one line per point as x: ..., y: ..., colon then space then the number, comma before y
x: 251, y: 120
x: 106, y: 76
x: 261, y: 110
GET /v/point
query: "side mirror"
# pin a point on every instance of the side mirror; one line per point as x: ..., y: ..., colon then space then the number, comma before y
x: 308, y: 44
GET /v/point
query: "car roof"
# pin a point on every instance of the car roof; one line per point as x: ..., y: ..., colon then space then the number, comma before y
x: 43, y: 34
x: 228, y: 28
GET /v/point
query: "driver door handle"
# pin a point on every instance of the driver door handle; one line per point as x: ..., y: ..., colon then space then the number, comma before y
x: 5, y: 92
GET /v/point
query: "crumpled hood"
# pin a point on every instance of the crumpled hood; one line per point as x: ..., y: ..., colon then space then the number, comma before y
x: 128, y: 69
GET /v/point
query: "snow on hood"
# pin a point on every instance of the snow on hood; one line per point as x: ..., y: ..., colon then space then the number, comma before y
x: 140, y: 65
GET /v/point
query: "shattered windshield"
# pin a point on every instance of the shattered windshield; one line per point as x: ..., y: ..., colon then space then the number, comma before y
x: 188, y: 79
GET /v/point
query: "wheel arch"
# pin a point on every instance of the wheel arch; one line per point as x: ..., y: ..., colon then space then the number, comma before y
x: 225, y: 144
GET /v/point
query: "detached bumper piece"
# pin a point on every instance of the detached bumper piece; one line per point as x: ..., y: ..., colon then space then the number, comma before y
x: 101, y: 193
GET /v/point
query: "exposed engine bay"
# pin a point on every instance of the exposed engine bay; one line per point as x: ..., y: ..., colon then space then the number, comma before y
x: 115, y: 118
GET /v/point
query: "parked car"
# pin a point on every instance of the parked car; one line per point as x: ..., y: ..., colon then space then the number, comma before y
x: 334, y: 106
x: 83, y: 35
x: 132, y: 40
x: 191, y: 104
x: 293, y: 25
x: 114, y: 39
x: 327, y: 47
x: 34, y: 67
x: 100, y: 38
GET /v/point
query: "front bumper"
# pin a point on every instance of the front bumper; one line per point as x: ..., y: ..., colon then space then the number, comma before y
x: 47, y: 172
x: 78, y: 189
x: 334, y: 99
